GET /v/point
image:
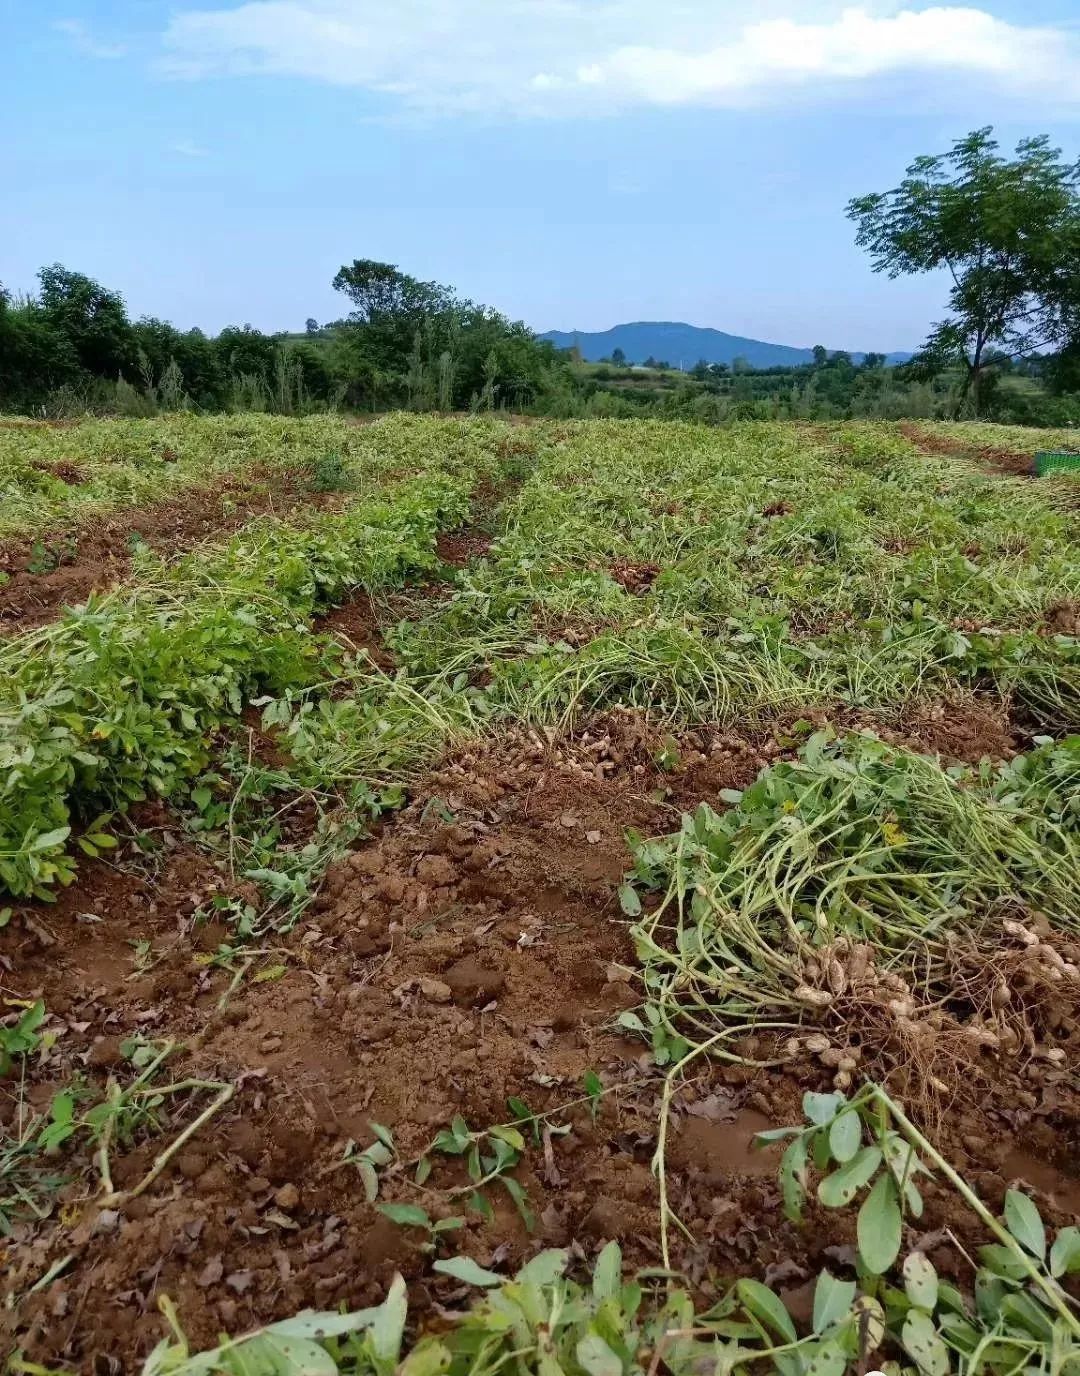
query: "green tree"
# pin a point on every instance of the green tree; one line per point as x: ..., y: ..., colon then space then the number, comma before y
x: 93, y: 319
x: 1008, y: 233
x: 618, y: 358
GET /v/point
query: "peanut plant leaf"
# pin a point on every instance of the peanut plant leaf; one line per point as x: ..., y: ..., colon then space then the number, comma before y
x: 1024, y: 1222
x: 832, y: 1300
x: 924, y: 1345
x: 920, y: 1281
x: 845, y: 1135
x: 406, y: 1215
x: 767, y: 1308
x: 879, y: 1227
x: 469, y: 1271
x: 1065, y: 1253
x: 843, y: 1185
x: 596, y: 1357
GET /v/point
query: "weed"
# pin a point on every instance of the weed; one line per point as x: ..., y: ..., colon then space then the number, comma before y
x: 22, y: 1036
x: 371, y: 1159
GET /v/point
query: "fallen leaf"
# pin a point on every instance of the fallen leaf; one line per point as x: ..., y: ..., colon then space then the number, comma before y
x: 716, y: 1108
x: 211, y: 1273
x: 240, y: 1281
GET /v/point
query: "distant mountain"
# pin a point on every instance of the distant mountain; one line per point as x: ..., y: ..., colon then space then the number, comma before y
x: 683, y: 345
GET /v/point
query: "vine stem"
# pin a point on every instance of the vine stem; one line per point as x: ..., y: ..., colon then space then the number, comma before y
x: 1035, y: 1273
x: 225, y: 1093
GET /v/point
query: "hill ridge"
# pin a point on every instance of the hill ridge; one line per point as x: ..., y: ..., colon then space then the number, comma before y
x: 681, y: 344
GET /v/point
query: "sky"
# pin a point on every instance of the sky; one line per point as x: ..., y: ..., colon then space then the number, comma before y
x: 575, y: 163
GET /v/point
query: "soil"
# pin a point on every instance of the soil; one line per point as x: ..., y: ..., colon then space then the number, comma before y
x: 1001, y: 460
x: 96, y: 554
x: 471, y: 951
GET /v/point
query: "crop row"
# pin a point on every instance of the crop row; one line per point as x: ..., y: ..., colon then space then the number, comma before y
x: 59, y: 475
x: 119, y: 699
x: 707, y: 576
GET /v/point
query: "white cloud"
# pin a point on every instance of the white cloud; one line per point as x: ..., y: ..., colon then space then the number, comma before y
x: 85, y: 42
x: 187, y: 148
x: 572, y: 56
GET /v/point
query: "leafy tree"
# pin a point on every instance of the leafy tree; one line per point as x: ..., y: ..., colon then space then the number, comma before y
x: 821, y: 355
x: 1007, y: 231
x: 311, y: 325
x: 93, y: 320
x: 618, y: 358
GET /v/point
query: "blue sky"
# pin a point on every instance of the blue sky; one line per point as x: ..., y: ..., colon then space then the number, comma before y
x: 576, y: 163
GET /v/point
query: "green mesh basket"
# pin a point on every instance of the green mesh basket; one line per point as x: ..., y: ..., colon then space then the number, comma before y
x: 1056, y: 461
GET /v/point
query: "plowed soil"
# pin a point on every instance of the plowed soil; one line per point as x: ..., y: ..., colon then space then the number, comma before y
x: 1001, y: 460
x: 96, y: 554
x: 471, y: 951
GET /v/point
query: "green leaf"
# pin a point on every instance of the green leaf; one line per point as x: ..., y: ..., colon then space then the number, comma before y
x: 1023, y: 1221
x: 827, y: 1359
x: 469, y: 1271
x: 843, y: 1185
x: 596, y: 1357
x: 328, y: 1325
x: 510, y: 1136
x: 48, y: 839
x: 283, y: 1356
x: 384, y: 1135
x: 545, y: 1268
x: 879, y: 1226
x: 1002, y: 1261
x: 430, y: 1357
x: 924, y: 1345
x: 406, y: 1215
x: 482, y: 1205
x: 629, y: 900
x: 370, y: 1179
x: 607, y: 1273
x: 448, y: 1225
x: 521, y: 1202
x: 771, y: 1135
x: 832, y: 1300
x: 821, y: 1109
x: 388, y: 1324
x: 1065, y: 1253
x: 845, y: 1135
x: 920, y: 1281
x: 766, y: 1307
x: 792, y: 1176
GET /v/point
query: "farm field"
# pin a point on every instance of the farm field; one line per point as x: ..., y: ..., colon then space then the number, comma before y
x: 433, y: 852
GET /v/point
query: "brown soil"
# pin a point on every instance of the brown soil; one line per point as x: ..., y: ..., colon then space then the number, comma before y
x: 96, y: 555
x: 357, y: 625
x: 1001, y: 460
x: 459, y: 548
x: 473, y: 951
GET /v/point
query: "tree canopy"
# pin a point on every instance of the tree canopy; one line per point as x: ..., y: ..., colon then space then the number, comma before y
x: 1007, y: 231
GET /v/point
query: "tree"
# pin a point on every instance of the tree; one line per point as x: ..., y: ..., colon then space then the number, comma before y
x: 618, y: 358
x: 93, y: 319
x: 311, y: 325
x: 1008, y: 232
x: 821, y: 355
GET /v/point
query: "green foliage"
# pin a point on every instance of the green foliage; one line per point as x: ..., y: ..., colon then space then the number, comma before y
x: 21, y: 1036
x: 1007, y: 231
x: 119, y: 700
